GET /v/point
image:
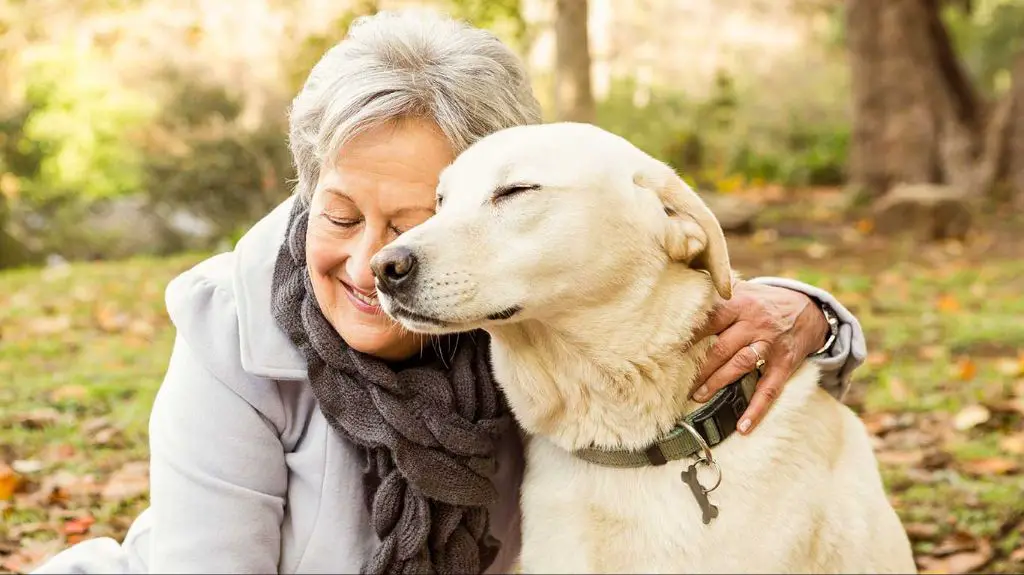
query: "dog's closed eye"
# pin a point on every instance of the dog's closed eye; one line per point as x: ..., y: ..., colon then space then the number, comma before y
x: 509, y: 190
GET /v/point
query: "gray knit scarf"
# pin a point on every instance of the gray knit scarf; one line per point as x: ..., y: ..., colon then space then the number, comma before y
x: 427, y: 428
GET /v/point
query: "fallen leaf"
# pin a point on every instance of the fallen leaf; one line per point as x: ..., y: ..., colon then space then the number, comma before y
x: 879, y: 423
x: 948, y: 304
x: 931, y: 352
x: 9, y: 481
x: 141, y: 328
x: 106, y: 436
x: 66, y: 392
x: 920, y: 531
x: 60, y: 487
x: 31, y: 554
x: 764, y: 236
x: 49, y: 325
x: 989, y: 466
x: 78, y: 525
x: 902, y: 458
x: 109, y: 319
x: 1017, y: 555
x: 26, y: 466
x: 971, y: 416
x: 877, y: 358
x: 817, y: 251
x: 956, y: 542
x: 959, y: 553
x: 936, y: 459
x: 1010, y: 366
x: 59, y: 452
x: 1009, y: 406
x: 966, y: 562
x: 19, y: 531
x: 38, y: 418
x: 131, y: 481
x: 865, y: 226
x: 1013, y: 444
x: 898, y: 390
x: 966, y: 369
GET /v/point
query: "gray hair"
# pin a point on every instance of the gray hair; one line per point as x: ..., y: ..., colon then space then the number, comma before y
x: 412, y: 63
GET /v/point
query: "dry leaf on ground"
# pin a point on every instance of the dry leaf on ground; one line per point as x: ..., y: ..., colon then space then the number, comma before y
x: 9, y: 481
x: 1013, y: 444
x: 966, y: 369
x: 78, y: 525
x: 971, y: 416
x: 130, y: 481
x: 66, y: 392
x: 989, y: 466
x: 959, y: 553
x: 948, y: 304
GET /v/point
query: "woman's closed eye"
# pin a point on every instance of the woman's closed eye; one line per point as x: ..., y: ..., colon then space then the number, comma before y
x: 343, y: 222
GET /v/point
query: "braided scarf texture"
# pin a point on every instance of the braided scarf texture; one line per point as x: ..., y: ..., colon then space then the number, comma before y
x: 427, y: 429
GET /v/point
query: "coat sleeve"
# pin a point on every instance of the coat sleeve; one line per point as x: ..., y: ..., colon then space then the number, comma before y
x: 218, y: 477
x: 849, y: 349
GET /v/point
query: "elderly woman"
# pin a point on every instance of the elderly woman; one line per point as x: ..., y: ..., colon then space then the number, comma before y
x: 298, y: 429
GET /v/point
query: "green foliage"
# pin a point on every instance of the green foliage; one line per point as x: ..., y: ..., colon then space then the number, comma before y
x: 715, y: 144
x: 74, y: 134
x: 313, y: 47
x: 987, y: 38
x: 201, y: 157
x: 653, y: 126
x: 503, y: 17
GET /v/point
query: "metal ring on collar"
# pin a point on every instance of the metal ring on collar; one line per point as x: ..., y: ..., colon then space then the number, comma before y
x: 708, y: 459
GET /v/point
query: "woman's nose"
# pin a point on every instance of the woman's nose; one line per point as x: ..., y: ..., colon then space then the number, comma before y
x: 358, y: 265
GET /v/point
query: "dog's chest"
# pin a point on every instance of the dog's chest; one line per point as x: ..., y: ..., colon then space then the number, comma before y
x: 578, y: 517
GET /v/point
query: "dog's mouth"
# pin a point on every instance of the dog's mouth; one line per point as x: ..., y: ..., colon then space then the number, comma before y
x: 415, y: 320
x: 395, y: 309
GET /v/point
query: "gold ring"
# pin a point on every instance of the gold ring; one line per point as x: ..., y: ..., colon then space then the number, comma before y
x: 760, y: 362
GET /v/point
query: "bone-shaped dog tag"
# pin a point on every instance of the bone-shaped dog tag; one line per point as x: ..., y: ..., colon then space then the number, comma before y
x: 709, y: 509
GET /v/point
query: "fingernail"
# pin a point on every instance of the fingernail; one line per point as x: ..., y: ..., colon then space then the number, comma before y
x: 701, y: 392
x: 744, y: 425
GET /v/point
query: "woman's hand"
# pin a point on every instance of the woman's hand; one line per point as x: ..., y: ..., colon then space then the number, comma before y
x: 783, y: 326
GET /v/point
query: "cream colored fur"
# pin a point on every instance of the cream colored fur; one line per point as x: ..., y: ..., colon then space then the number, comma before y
x: 612, y: 263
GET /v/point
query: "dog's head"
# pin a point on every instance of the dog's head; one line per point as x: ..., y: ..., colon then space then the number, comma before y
x: 537, y: 221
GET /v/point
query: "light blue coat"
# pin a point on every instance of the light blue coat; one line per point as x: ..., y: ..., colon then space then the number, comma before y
x: 246, y: 474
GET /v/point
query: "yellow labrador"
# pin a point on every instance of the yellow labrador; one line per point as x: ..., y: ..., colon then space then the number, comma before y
x: 590, y: 264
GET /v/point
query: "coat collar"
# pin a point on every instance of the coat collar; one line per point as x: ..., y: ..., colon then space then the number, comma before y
x: 266, y: 350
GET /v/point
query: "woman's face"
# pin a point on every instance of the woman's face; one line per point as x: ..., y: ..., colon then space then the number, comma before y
x: 381, y: 185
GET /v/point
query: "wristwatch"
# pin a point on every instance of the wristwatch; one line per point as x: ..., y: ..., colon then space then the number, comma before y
x: 833, y: 328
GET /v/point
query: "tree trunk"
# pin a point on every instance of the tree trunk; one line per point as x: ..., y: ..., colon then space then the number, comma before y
x: 867, y: 166
x: 574, y: 99
x: 910, y: 87
x: 918, y: 119
x: 1015, y: 172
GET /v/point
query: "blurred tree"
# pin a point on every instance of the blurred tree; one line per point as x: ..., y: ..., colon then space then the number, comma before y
x: 314, y: 46
x: 504, y: 17
x: 574, y: 98
x: 1015, y: 163
x: 918, y: 115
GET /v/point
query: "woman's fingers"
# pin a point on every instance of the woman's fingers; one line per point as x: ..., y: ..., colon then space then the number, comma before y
x: 768, y: 390
x: 728, y: 359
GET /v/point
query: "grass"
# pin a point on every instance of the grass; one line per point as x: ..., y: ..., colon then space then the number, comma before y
x: 83, y: 350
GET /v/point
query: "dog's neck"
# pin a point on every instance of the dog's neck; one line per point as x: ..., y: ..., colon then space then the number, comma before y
x: 617, y: 375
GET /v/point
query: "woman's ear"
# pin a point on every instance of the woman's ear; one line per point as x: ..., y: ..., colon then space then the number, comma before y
x: 692, y: 234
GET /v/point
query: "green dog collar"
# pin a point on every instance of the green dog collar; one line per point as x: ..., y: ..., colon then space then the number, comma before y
x: 715, y: 421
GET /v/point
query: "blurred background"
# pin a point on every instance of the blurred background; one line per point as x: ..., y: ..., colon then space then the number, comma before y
x: 874, y: 148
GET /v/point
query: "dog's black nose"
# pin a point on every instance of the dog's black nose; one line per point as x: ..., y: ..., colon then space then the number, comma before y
x: 393, y: 266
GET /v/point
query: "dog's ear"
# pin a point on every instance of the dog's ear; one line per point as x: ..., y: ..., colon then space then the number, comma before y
x: 692, y: 233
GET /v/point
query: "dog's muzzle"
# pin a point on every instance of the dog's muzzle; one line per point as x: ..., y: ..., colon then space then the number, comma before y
x: 394, y: 269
